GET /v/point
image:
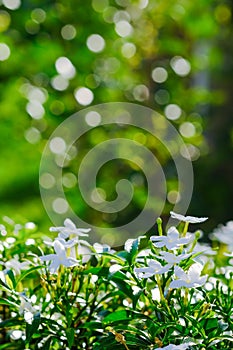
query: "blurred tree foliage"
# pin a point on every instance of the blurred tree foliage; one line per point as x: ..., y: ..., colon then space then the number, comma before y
x: 174, y: 56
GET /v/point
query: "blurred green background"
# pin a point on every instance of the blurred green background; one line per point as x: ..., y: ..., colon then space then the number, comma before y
x: 57, y: 57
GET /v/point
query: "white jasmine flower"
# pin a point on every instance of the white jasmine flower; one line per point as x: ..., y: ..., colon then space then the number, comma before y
x: 16, y: 265
x: 25, y: 305
x: 189, y: 279
x: 68, y: 229
x: 173, y: 259
x: 204, y: 248
x: 174, y: 347
x: 154, y: 268
x: 59, y: 258
x: 190, y: 219
x: 172, y: 240
x: 224, y: 234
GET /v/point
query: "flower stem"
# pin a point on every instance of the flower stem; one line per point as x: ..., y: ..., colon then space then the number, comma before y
x: 185, y: 230
x: 158, y: 280
x: 186, y: 296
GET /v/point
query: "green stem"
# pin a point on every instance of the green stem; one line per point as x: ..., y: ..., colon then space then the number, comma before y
x: 186, y: 296
x: 158, y: 280
x: 185, y: 230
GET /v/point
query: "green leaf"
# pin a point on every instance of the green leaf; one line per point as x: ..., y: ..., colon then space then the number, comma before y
x: 11, y: 322
x: 92, y: 325
x: 8, y: 302
x: 219, y: 339
x: 32, y: 328
x: 8, y: 346
x: 106, y: 343
x: 123, y: 284
x: 46, y: 345
x: 116, y: 316
x: 70, y: 336
x: 134, y: 339
x: 98, y: 271
x: 12, y: 278
x: 4, y: 285
x: 114, y: 257
x: 26, y: 273
x: 211, y: 323
x: 136, y: 297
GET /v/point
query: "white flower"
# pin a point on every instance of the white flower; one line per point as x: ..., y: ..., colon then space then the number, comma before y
x: 224, y: 234
x: 154, y: 268
x: 16, y: 265
x: 59, y: 258
x: 25, y: 305
x: 171, y: 258
x: 189, y: 279
x: 68, y: 229
x: 190, y: 219
x: 174, y: 347
x: 204, y: 248
x: 172, y: 240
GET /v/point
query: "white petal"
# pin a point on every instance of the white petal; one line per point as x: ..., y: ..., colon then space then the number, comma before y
x: 179, y: 272
x: 56, y: 229
x: 190, y: 219
x: 202, y: 280
x: 173, y: 232
x: 154, y: 264
x: 69, y: 224
x: 195, y: 220
x: 194, y: 271
x: 128, y: 244
x: 70, y: 262
x: 53, y: 267
x: 177, y: 284
x: 144, y: 272
x: 63, y: 235
x: 159, y: 244
x: 59, y: 249
x: 158, y: 238
x: 47, y: 257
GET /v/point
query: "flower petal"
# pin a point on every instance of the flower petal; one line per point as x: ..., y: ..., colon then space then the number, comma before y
x: 53, y: 267
x: 70, y: 262
x: 190, y: 219
x: 59, y: 248
x: 47, y: 257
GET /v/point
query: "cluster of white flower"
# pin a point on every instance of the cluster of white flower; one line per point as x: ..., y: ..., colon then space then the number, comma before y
x: 62, y: 243
x: 174, y: 254
x: 174, y: 258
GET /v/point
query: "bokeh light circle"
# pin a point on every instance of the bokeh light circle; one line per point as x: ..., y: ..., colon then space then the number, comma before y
x: 125, y: 115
